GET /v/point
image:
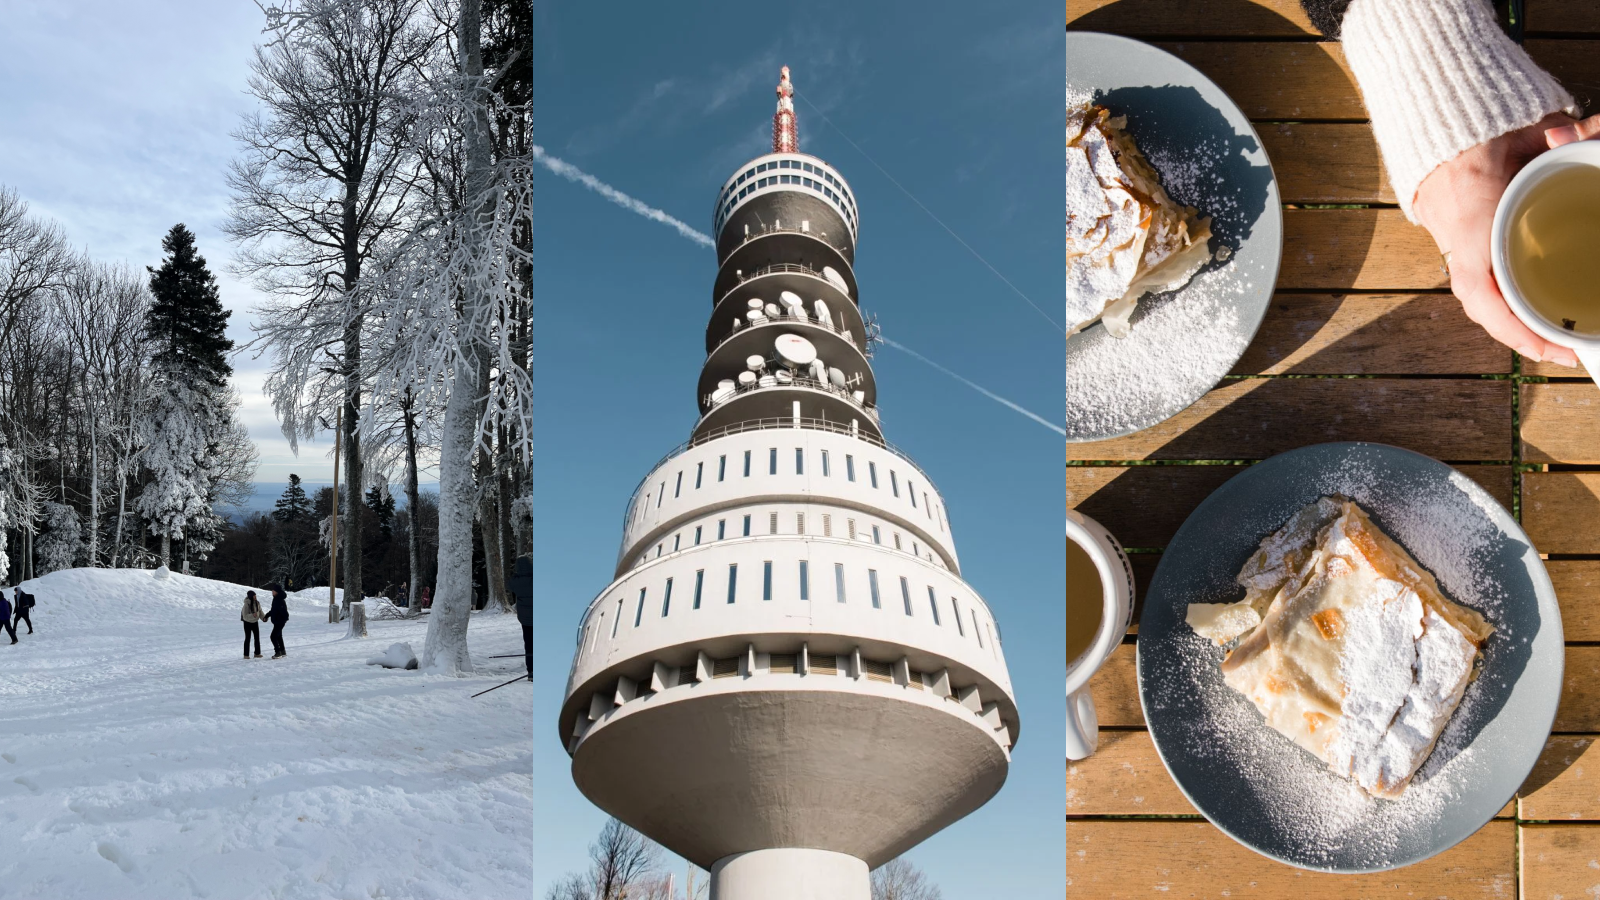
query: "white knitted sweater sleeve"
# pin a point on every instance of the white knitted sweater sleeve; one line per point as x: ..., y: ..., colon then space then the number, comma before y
x: 1439, y: 77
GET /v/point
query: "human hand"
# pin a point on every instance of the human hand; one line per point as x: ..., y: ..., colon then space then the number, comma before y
x: 1456, y: 203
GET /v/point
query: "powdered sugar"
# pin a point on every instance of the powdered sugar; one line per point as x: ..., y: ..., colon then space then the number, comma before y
x: 1180, y: 346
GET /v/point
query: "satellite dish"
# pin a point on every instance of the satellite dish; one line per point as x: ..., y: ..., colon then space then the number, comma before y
x: 768, y: 381
x: 754, y: 303
x: 755, y: 363
x: 723, y: 392
x: 795, y: 350
x: 792, y: 300
x: 755, y: 315
x: 819, y: 371
x: 784, y: 377
x: 860, y: 396
x: 747, y: 378
x: 835, y: 279
x: 773, y: 310
x: 725, y: 383
x: 836, y: 378
x: 822, y: 315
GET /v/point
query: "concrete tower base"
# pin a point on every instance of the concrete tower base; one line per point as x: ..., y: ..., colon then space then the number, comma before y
x: 790, y: 874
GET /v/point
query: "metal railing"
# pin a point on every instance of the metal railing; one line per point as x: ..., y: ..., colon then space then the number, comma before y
x: 795, y: 380
x: 785, y: 318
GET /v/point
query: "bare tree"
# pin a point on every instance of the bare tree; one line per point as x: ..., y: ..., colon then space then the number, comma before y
x: 623, y: 865
x: 321, y: 185
x: 899, y: 879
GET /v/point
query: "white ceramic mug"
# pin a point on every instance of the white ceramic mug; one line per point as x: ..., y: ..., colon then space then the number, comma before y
x: 1580, y: 153
x: 1116, y: 589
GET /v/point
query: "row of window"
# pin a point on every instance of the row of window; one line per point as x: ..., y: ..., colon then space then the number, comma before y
x: 660, y: 492
x: 854, y: 533
x: 803, y: 593
x: 731, y: 194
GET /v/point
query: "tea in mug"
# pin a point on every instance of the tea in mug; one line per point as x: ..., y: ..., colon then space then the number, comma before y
x: 1553, y: 248
x: 1085, y: 600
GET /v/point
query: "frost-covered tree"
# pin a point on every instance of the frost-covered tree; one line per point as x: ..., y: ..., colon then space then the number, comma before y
x: 176, y: 438
x: 320, y: 187
x: 61, y: 541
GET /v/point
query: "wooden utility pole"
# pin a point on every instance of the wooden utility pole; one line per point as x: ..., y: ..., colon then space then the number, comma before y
x: 333, y: 537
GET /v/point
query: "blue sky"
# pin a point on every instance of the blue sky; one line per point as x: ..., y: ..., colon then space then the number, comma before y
x: 961, y: 104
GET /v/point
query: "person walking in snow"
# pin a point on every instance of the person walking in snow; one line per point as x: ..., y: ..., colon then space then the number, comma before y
x: 251, y: 616
x: 24, y: 606
x: 5, y: 616
x: 522, y: 589
x: 427, y: 597
x: 279, y: 614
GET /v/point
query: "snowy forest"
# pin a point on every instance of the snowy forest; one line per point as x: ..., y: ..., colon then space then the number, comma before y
x: 380, y: 205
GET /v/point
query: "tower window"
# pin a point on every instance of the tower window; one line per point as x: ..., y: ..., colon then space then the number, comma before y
x: 658, y: 551
x: 824, y: 464
x: 678, y: 488
x: 916, y: 550
x: 697, y: 535
x: 827, y: 525
x: 799, y: 523
x: 976, y: 632
x: 838, y: 581
x: 876, y: 537
x: 772, y: 524
x: 661, y: 494
x: 772, y: 461
x: 872, y: 474
x: 799, y: 460
x: 638, y: 614
x: 666, y: 599
x: 675, y: 539
x: 722, y: 467
x: 722, y: 528
x: 957, y: 607
x: 849, y: 467
x: 933, y: 604
x: 805, y: 581
x: 699, y: 583
x: 872, y: 582
x: 699, y: 469
x: 927, y: 508
x: 897, y: 541
x: 733, y: 580
x: 851, y: 524
x: 746, y: 526
x: 766, y: 581
x: 618, y: 620
x: 747, y: 464
x: 913, y: 489
x: 894, y: 483
x: 905, y: 594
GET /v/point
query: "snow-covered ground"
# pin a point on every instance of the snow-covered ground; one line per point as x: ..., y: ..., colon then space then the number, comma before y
x: 141, y: 757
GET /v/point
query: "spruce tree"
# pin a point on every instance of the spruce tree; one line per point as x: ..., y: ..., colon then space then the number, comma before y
x: 293, y: 505
x: 381, y: 502
x: 187, y: 321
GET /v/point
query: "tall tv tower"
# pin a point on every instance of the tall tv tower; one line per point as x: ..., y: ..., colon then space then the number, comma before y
x: 788, y: 682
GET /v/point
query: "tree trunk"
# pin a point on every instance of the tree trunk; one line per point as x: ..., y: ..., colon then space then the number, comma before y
x: 493, y: 561
x: 414, y: 504
x: 446, y: 647
x: 122, y: 511
x: 166, y: 549
x: 94, y: 493
x: 351, y: 532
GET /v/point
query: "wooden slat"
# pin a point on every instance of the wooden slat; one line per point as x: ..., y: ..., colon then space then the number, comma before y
x: 1326, y: 163
x: 1255, y: 418
x: 1287, y: 80
x: 1580, y: 691
x: 1561, y: 511
x: 1363, y: 249
x: 1564, y: 784
x: 1577, y: 583
x: 1561, y: 423
x: 1558, y: 861
x: 1552, y: 370
x: 1575, y: 63
x: 1142, y: 858
x: 1124, y: 777
x: 1115, y: 689
x: 1144, y: 505
x: 1371, y: 334
x: 1142, y: 18
x: 1564, y: 16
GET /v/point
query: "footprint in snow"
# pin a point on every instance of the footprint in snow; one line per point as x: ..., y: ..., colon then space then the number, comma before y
x: 114, y: 855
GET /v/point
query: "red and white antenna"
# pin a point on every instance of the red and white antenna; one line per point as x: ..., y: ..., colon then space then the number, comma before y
x: 785, y: 136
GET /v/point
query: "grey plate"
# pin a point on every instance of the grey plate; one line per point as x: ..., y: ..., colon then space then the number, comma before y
x: 1482, y: 559
x: 1175, y: 112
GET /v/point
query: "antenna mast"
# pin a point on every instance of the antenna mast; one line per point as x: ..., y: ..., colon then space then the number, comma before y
x: 785, y: 135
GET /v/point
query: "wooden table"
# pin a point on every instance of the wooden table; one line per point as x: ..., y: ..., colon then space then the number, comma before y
x: 1363, y: 342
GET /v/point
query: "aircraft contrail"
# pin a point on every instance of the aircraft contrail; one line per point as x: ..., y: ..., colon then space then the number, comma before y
x: 573, y: 173
x: 979, y: 388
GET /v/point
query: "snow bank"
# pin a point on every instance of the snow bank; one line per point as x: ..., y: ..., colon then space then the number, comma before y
x: 143, y: 757
x: 398, y: 656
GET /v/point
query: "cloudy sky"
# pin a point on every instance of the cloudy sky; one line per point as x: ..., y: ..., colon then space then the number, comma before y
x: 116, y: 123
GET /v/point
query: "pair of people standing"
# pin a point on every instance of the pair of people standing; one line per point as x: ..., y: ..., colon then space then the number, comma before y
x: 252, y: 617
x: 23, y: 605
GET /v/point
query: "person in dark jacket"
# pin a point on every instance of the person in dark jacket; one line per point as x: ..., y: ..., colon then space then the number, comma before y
x: 24, y: 607
x: 522, y: 589
x: 278, y: 614
x: 5, y: 616
x: 251, y: 616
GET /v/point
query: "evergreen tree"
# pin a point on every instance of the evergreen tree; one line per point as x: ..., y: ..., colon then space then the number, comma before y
x: 293, y: 506
x: 187, y: 322
x: 381, y: 502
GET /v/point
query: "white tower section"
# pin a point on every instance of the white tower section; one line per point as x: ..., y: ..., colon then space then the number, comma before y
x: 788, y: 682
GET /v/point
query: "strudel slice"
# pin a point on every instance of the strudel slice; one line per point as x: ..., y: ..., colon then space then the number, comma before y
x: 1125, y: 236
x: 1358, y: 657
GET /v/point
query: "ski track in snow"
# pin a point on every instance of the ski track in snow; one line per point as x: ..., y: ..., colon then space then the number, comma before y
x: 141, y: 757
